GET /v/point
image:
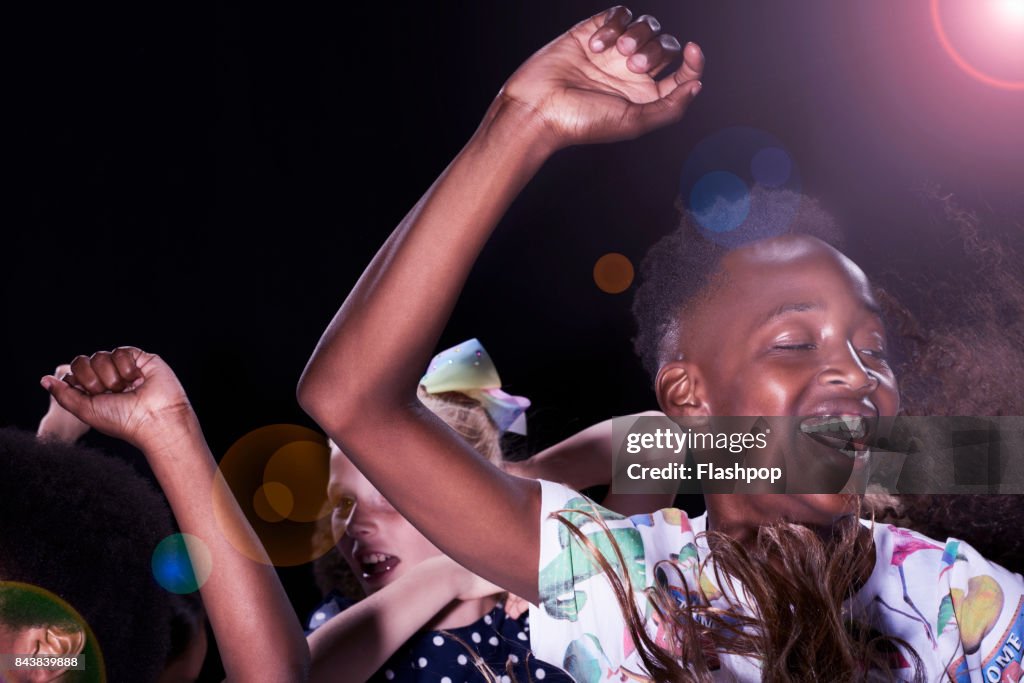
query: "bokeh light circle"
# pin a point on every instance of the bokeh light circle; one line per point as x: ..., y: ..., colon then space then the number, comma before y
x: 720, y: 201
x: 958, y: 58
x: 740, y: 184
x: 771, y: 167
x: 613, y: 273
x: 273, y: 501
x: 278, y: 476
x: 182, y: 563
x: 39, y: 603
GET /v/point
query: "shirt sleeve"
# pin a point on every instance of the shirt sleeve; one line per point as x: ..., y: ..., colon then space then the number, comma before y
x: 579, y: 623
x: 980, y: 617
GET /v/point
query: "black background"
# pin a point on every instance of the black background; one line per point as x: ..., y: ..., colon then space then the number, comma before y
x: 207, y: 182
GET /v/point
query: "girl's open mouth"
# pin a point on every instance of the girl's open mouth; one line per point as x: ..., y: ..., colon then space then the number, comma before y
x: 377, y: 564
x: 841, y: 432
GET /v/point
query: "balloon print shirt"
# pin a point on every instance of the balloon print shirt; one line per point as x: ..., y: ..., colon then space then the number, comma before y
x: 963, y: 615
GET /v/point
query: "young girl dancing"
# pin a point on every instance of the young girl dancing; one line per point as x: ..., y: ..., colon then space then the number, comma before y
x: 425, y: 617
x: 785, y: 326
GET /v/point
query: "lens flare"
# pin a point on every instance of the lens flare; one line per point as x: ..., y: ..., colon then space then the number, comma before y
x: 182, y: 563
x: 740, y: 184
x: 613, y: 273
x: 278, y: 476
x: 1003, y: 27
x: 37, y: 603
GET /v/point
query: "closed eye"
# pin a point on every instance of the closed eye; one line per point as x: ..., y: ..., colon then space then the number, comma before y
x: 795, y: 347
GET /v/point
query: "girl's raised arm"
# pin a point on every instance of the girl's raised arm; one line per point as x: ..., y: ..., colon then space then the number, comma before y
x: 136, y: 397
x: 593, y: 84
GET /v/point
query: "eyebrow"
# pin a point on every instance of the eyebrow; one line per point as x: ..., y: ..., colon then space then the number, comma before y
x: 786, y: 309
x: 805, y: 306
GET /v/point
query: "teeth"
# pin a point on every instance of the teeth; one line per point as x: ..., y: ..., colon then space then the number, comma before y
x: 374, y: 558
x: 853, y: 426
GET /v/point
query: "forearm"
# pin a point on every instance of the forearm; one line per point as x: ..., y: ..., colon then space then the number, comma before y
x: 258, y: 634
x: 56, y: 430
x: 360, y: 384
x: 583, y: 460
x: 357, y: 642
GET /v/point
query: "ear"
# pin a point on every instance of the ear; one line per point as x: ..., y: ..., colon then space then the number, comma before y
x: 680, y: 390
x: 54, y: 641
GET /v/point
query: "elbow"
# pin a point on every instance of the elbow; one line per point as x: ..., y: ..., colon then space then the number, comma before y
x: 323, y: 399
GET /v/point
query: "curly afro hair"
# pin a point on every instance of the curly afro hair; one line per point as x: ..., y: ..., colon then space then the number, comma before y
x: 83, y: 526
x: 679, y: 269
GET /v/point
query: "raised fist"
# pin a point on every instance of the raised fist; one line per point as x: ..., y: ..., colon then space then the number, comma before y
x: 126, y: 393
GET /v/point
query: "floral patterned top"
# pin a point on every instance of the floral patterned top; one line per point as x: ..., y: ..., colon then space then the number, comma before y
x: 963, y: 615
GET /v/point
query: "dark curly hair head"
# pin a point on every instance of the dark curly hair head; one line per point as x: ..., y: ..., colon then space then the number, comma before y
x: 680, y: 267
x: 83, y: 526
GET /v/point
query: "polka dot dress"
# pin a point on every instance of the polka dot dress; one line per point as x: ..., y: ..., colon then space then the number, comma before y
x: 499, y: 641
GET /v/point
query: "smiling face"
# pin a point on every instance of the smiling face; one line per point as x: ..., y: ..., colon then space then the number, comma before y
x: 788, y: 328
x: 377, y: 542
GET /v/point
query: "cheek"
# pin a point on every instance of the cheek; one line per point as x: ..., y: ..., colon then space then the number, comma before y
x: 887, y: 396
x: 345, y: 548
x: 764, y: 392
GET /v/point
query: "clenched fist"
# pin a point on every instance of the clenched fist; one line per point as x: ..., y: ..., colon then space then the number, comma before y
x: 125, y: 393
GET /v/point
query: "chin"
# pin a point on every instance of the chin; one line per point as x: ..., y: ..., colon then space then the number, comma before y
x: 825, y: 509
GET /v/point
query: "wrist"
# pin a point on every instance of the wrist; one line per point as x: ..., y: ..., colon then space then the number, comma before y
x: 514, y: 124
x: 442, y: 571
x: 168, y: 430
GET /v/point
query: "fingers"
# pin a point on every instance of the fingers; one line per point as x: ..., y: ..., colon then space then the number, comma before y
x: 84, y: 376
x: 669, y: 109
x: 637, y: 44
x: 126, y: 360
x: 654, y: 55
x: 689, y: 72
x: 693, y: 64
x: 515, y: 606
x: 614, y: 23
x: 103, y: 365
x: 67, y: 397
x: 640, y: 41
x: 105, y: 371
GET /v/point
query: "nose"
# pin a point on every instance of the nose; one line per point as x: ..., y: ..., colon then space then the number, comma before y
x: 844, y: 368
x: 361, y: 523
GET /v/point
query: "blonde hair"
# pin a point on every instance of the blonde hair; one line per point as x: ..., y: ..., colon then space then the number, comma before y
x: 469, y: 419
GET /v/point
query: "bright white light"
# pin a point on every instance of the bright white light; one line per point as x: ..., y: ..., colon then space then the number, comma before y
x: 1010, y: 11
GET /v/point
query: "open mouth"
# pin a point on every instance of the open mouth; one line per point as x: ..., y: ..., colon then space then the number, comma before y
x: 377, y: 565
x: 848, y: 433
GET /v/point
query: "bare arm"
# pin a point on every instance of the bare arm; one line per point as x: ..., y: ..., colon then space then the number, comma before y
x: 360, y: 384
x: 356, y: 643
x: 134, y: 396
x: 585, y: 459
x: 58, y: 424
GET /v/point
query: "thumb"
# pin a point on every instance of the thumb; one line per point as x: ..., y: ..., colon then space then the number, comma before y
x: 68, y: 397
x: 670, y: 107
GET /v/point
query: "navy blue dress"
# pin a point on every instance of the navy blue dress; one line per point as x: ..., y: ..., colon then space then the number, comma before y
x: 440, y: 657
